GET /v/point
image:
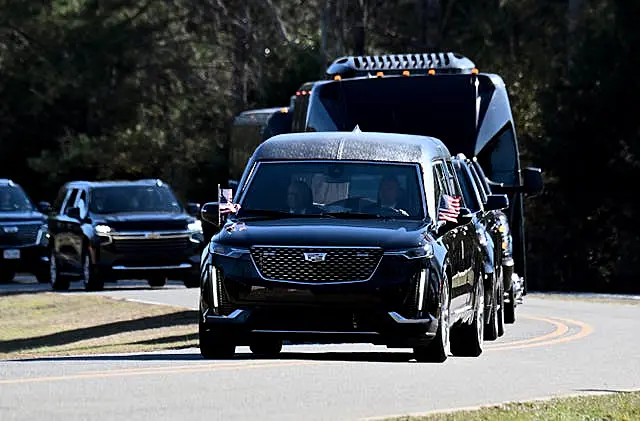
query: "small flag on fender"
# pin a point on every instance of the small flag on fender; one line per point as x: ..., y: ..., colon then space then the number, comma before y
x: 449, y: 208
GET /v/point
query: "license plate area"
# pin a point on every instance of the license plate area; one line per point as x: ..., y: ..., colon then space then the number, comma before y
x: 11, y: 254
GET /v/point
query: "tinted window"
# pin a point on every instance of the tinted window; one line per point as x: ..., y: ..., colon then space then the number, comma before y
x: 499, y: 158
x: 129, y: 199
x: 470, y: 198
x: 443, y: 107
x: 14, y: 199
x: 478, y: 182
x: 320, y: 187
x: 70, y: 201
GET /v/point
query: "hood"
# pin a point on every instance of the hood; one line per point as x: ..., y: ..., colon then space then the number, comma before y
x: 324, y: 232
x: 22, y: 216
x: 146, y: 221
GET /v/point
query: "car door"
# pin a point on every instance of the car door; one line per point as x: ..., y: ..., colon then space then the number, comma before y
x: 491, y: 218
x: 451, y: 238
x: 75, y: 231
x: 62, y: 233
x: 466, y: 233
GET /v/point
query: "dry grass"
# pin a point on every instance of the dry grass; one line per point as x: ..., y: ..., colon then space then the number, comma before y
x: 33, y: 325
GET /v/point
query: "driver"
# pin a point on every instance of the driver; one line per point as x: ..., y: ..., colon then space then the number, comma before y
x: 300, y: 198
x: 389, y: 195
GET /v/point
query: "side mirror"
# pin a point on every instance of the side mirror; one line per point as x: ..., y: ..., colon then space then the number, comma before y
x: 44, y: 207
x: 73, y: 213
x: 497, y: 202
x: 193, y: 209
x: 211, y: 213
x: 465, y: 216
x: 532, y: 180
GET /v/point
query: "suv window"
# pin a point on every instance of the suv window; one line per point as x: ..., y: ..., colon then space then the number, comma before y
x: 468, y: 191
x: 70, y: 202
x: 14, y: 199
x: 479, y: 183
x: 133, y: 198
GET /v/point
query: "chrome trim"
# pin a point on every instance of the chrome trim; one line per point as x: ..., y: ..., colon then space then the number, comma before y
x: 180, y: 266
x: 147, y: 235
x: 318, y: 283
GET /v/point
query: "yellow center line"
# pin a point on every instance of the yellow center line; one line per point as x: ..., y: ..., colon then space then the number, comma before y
x: 585, y: 330
x: 154, y: 371
x: 560, y: 329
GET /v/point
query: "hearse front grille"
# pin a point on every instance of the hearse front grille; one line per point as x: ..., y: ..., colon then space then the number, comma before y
x: 316, y: 265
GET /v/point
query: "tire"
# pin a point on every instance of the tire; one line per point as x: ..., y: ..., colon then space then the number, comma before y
x: 213, y: 346
x: 7, y: 275
x: 90, y: 277
x: 437, y: 350
x: 43, y: 276
x: 510, y: 308
x: 192, y: 281
x: 157, y: 281
x: 492, y: 326
x: 466, y: 340
x: 58, y: 282
x: 264, y: 347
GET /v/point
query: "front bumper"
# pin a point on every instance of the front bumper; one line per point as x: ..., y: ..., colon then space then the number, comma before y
x: 31, y: 258
x: 379, y: 328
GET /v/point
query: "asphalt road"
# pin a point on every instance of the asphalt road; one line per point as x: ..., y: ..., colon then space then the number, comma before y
x: 556, y: 347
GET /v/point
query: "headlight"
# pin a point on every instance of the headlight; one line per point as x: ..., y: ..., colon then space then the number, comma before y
x: 425, y: 251
x: 195, y: 226
x: 227, y: 251
x: 482, y: 236
x: 103, y: 229
x: 43, y: 235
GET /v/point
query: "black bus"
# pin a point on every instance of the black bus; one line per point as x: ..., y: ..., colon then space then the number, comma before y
x: 437, y: 94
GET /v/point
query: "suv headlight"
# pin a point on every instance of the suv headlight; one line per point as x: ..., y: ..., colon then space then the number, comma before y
x: 227, y: 251
x: 425, y: 251
x: 102, y: 229
x: 195, y: 226
x: 43, y: 235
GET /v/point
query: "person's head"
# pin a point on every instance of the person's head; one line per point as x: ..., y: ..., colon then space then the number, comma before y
x: 389, y: 190
x: 299, y: 195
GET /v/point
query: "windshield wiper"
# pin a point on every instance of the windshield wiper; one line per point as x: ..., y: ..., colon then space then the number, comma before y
x: 275, y: 214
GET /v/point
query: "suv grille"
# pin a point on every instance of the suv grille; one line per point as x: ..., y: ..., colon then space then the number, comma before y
x: 151, y: 246
x: 339, y: 264
x: 26, y: 234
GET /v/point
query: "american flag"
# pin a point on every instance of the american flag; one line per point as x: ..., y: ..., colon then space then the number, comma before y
x: 226, y: 205
x: 449, y: 208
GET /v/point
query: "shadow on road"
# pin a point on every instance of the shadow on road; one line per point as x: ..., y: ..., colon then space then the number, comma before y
x: 179, y: 318
x: 374, y: 357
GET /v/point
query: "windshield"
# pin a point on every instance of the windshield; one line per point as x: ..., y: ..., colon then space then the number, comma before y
x: 14, y: 199
x: 128, y: 199
x: 442, y: 107
x: 335, y: 188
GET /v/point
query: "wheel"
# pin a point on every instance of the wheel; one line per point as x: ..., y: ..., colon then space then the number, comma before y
x: 7, y: 275
x: 510, y: 307
x: 90, y: 277
x: 157, y: 281
x: 437, y: 350
x: 58, y: 281
x: 214, y: 346
x: 500, y: 309
x: 192, y: 281
x: 466, y: 340
x: 491, y: 297
x: 43, y: 276
x: 266, y: 347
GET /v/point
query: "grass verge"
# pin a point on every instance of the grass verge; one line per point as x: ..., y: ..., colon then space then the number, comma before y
x: 601, y: 299
x: 621, y: 406
x: 50, y: 324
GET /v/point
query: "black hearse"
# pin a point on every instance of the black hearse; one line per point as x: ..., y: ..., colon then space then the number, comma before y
x: 103, y: 231
x: 344, y: 237
x: 436, y: 94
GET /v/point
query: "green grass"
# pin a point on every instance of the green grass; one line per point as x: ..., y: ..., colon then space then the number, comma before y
x: 622, y: 406
x: 50, y: 324
x: 568, y: 297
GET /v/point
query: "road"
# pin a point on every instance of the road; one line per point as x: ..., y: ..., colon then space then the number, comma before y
x: 556, y: 347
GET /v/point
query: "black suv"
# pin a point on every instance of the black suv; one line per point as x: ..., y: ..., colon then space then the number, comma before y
x: 356, y: 237
x: 104, y: 231
x: 487, y: 211
x: 24, y: 235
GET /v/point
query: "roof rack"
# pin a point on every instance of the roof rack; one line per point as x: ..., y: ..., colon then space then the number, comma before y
x: 446, y: 62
